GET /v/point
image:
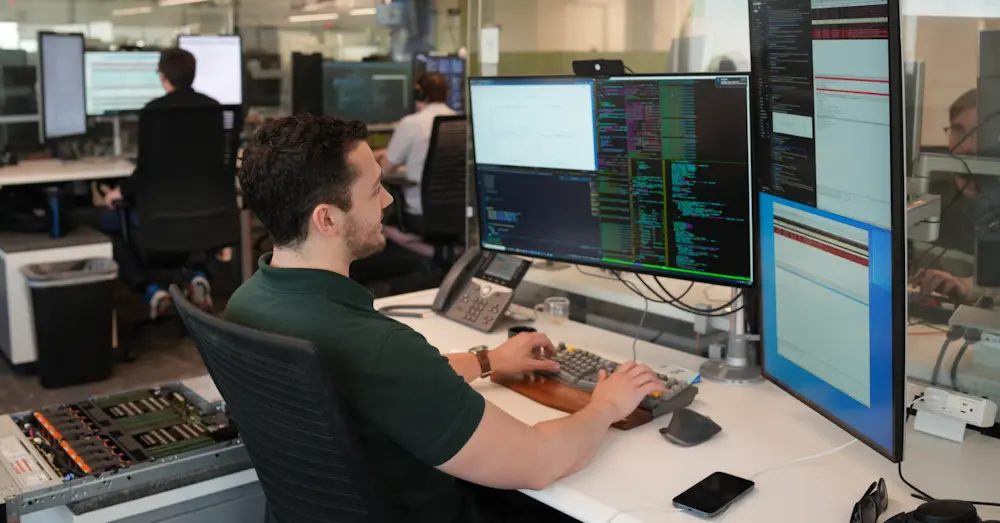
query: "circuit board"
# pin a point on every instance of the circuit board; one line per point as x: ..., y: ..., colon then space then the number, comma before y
x: 109, y: 433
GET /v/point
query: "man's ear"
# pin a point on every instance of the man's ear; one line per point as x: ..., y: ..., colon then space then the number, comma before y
x: 327, y: 220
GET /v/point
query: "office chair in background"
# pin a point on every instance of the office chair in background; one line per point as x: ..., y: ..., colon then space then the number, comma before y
x: 291, y: 419
x: 184, y: 191
x: 443, y: 189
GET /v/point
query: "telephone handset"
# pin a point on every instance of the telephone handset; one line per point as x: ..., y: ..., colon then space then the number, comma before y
x: 479, y: 288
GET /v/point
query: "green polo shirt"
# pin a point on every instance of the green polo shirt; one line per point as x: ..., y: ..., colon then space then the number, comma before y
x: 411, y: 410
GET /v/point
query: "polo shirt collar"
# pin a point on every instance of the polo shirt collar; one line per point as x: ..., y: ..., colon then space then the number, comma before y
x: 434, y: 106
x: 315, y: 281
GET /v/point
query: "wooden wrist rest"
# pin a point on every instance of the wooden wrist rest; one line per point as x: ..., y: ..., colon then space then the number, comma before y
x: 557, y: 395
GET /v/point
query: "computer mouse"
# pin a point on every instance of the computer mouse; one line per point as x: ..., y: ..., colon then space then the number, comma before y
x: 689, y: 428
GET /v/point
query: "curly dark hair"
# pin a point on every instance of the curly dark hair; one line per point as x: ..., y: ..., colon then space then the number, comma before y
x: 294, y: 164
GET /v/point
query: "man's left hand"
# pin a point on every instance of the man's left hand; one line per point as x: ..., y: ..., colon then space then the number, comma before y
x: 522, y: 354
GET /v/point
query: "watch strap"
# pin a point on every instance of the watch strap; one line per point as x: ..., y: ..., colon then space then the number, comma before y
x: 483, y: 356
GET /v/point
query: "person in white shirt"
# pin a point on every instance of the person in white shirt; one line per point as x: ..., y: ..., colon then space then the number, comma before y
x: 408, y: 145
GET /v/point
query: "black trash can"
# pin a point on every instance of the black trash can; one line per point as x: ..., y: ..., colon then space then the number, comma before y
x: 73, y: 305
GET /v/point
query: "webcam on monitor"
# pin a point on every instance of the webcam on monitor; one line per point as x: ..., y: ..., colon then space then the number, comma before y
x: 595, y: 68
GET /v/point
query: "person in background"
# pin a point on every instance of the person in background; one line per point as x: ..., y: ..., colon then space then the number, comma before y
x: 441, y: 452
x: 408, y: 145
x: 978, y: 198
x: 177, y: 71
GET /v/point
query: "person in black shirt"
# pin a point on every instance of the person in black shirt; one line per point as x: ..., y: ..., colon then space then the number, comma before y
x: 177, y: 70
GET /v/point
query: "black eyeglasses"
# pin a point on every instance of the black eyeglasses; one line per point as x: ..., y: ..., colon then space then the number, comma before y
x: 872, y: 505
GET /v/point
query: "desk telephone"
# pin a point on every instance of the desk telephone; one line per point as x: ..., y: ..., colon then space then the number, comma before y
x: 479, y: 287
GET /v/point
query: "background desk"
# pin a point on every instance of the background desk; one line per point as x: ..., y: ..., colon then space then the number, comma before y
x: 17, y: 335
x: 31, y: 172
x: 762, y: 427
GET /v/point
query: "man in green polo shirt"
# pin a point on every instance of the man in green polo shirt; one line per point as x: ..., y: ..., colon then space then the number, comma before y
x: 441, y: 453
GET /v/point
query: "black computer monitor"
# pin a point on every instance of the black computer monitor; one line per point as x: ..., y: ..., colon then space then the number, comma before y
x: 650, y: 174
x: 17, y: 90
x: 373, y: 92
x: 219, y: 65
x: 452, y: 67
x: 121, y: 81
x: 60, y: 59
x: 829, y: 142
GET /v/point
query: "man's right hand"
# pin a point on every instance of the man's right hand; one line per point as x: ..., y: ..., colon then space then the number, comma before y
x: 625, y: 389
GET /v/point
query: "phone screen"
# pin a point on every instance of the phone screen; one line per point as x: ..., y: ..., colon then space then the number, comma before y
x: 714, y: 493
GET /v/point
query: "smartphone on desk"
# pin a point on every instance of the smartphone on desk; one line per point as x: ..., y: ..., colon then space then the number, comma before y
x: 713, y: 495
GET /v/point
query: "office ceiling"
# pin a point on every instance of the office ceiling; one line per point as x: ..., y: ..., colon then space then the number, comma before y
x: 151, y: 13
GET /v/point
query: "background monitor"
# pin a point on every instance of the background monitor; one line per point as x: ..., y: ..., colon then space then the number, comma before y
x: 17, y: 90
x: 649, y: 174
x: 121, y: 81
x: 219, y: 72
x: 452, y: 67
x: 373, y: 92
x: 60, y: 58
x: 832, y: 247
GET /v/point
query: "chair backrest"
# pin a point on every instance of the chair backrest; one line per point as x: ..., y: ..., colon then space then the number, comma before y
x: 442, y: 185
x: 185, y: 183
x: 291, y: 420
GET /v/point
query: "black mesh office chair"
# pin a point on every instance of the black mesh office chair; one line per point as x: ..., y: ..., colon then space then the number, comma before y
x: 443, y: 188
x: 184, y: 189
x: 291, y: 420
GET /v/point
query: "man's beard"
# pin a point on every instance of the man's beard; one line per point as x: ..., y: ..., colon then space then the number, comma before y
x: 364, y: 241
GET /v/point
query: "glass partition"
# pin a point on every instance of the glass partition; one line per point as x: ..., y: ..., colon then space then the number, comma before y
x: 952, y: 99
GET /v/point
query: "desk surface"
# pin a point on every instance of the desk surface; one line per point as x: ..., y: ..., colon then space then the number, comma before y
x: 762, y: 427
x: 600, y: 286
x: 54, y: 171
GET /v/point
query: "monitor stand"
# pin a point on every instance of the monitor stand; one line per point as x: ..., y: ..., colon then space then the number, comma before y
x: 116, y: 130
x: 738, y: 367
x: 549, y: 265
x: 63, y: 150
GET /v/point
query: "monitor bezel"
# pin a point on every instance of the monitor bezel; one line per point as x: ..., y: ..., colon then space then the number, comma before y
x: 897, y: 200
x: 754, y: 183
x: 41, y: 86
x: 243, y: 65
x: 86, y: 86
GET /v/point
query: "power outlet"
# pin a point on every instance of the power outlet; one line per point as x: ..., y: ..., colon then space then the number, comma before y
x: 979, y: 412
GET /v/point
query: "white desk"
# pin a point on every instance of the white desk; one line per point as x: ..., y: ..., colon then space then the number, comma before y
x: 598, y: 286
x: 762, y: 427
x: 30, y: 172
x: 17, y: 336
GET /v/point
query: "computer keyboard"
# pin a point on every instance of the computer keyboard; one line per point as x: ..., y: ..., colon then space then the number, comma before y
x: 579, y: 369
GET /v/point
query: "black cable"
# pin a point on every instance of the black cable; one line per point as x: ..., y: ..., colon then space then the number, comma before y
x: 923, y: 496
x: 695, y: 310
x: 954, y: 365
x: 628, y: 69
x: 953, y: 334
x: 911, y: 485
x: 660, y: 299
x: 940, y: 360
x: 593, y: 275
x: 971, y: 336
x: 671, y: 301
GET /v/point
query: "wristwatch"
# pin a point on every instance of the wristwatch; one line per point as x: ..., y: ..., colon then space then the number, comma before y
x: 482, y: 353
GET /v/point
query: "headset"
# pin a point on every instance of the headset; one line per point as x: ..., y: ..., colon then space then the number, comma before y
x: 419, y: 95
